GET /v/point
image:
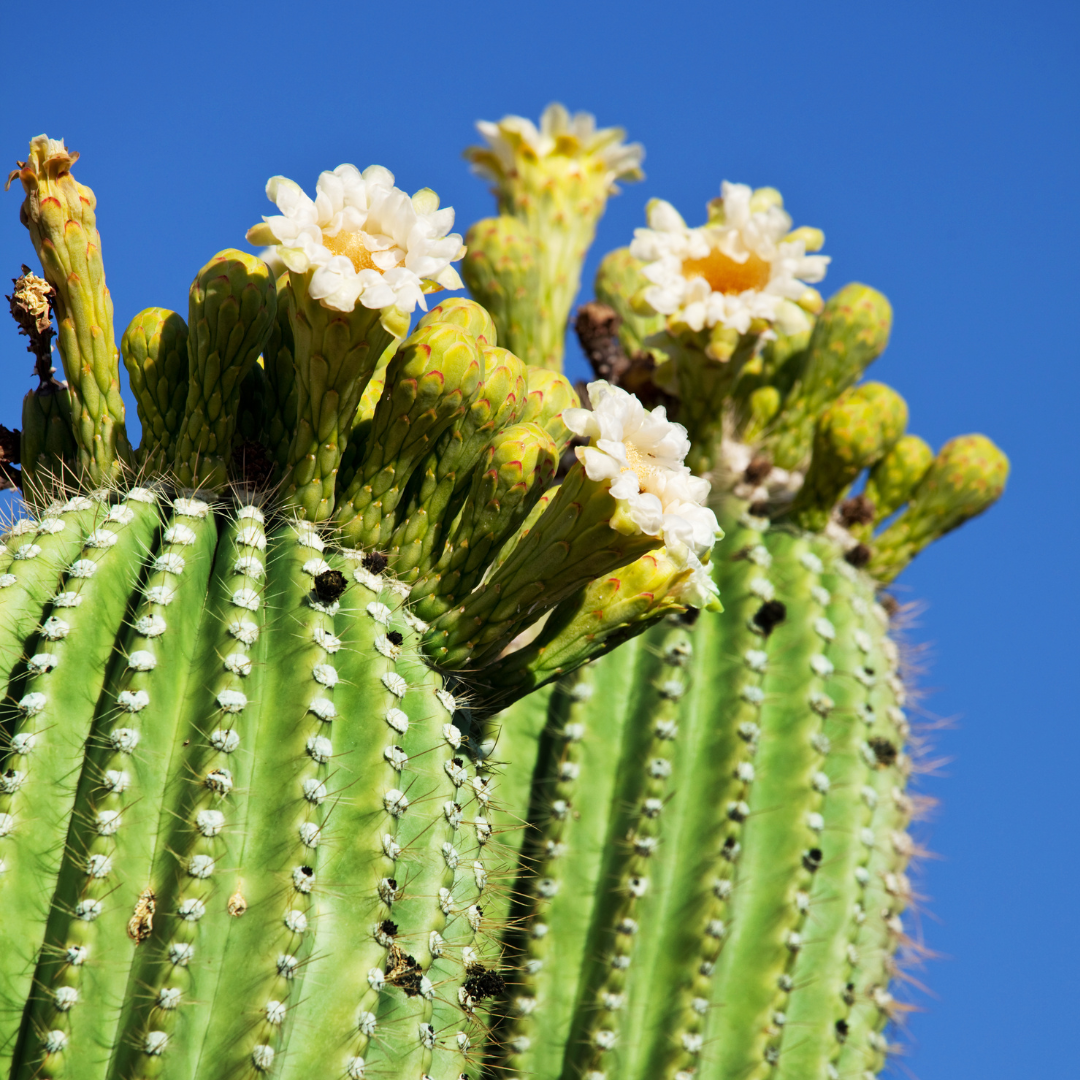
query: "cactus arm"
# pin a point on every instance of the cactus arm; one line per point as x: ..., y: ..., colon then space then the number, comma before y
x: 129, y: 841
x: 161, y: 964
x: 49, y: 737
x: 776, y: 833
x: 686, y: 901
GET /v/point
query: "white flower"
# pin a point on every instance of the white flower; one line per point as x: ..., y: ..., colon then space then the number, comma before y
x: 641, y: 452
x: 367, y: 241
x: 559, y: 134
x: 741, y: 266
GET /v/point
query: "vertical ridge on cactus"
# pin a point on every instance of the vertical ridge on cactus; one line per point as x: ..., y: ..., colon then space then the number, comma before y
x: 388, y: 712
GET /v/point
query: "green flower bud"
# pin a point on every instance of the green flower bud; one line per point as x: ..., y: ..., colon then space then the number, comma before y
x: 896, y: 476
x: 851, y: 332
x: 514, y: 470
x: 967, y: 477
x: 549, y: 394
x: 500, y: 400
x: 468, y: 314
x: 430, y: 383
x: 501, y: 269
x: 618, y: 280
x: 231, y: 308
x: 579, y: 536
x: 154, y: 348
x: 556, y: 181
x: 592, y: 622
x: 59, y: 213
x: 852, y: 435
x: 47, y: 450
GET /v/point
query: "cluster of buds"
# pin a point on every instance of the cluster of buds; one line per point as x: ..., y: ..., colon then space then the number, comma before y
x: 429, y: 448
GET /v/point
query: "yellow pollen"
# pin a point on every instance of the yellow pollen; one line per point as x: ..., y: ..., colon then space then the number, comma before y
x: 640, y: 463
x: 725, y: 275
x: 352, y: 247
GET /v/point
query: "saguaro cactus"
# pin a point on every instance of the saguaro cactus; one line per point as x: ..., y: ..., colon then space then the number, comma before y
x: 355, y: 726
x: 712, y: 877
x: 242, y: 827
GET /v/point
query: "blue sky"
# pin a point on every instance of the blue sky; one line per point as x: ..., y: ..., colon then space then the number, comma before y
x: 935, y: 143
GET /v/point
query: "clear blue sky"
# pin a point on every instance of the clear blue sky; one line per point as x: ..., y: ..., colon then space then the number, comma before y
x: 935, y: 143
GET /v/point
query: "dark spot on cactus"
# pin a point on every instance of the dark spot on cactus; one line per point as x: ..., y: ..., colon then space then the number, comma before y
x: 730, y: 850
x: 307, y: 871
x: 858, y: 556
x: 374, y: 561
x: 482, y: 983
x: 388, y: 927
x: 394, y: 637
x: 812, y: 859
x: 329, y: 585
x: 849, y: 994
x: 141, y: 923
x: 770, y: 615
x: 759, y: 467
x: 687, y: 617
x: 251, y: 463
x: 841, y: 1030
x: 890, y: 604
x: 858, y: 510
x: 868, y: 670
x: 760, y: 509
x: 884, y: 751
x: 403, y: 970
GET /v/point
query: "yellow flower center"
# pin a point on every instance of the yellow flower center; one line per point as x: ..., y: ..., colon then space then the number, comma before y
x: 352, y: 247
x: 725, y: 275
x: 641, y: 464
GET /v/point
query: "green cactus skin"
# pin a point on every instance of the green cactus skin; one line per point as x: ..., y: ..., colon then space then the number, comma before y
x: 231, y: 308
x: 235, y: 787
x: 893, y: 480
x: 62, y: 682
x: 850, y: 333
x: 154, y: 348
x: 777, y: 728
x: 59, y: 213
x: 502, y: 269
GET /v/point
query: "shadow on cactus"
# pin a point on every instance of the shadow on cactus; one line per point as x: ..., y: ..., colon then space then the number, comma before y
x: 259, y: 810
